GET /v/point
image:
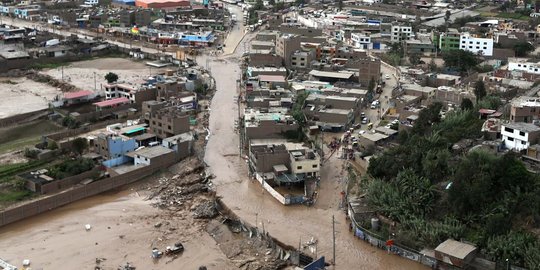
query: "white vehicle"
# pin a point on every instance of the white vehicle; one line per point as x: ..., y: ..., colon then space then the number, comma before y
x: 387, y: 77
x: 52, y: 42
x: 233, y: 17
x: 361, y: 132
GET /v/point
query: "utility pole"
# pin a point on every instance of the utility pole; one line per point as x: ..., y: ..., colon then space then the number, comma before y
x: 334, y: 239
x: 95, y: 85
x: 62, y: 73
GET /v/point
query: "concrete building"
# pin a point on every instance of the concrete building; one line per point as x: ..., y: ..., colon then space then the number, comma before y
x: 163, y: 4
x: 152, y: 155
x: 286, y: 45
x: 455, y: 253
x: 166, y: 120
x: 361, y: 40
x: 302, y: 59
x: 284, y: 162
x: 519, y: 136
x: 450, y: 40
x: 182, y: 144
x: 133, y: 94
x: 273, y: 123
x: 523, y: 64
x: 419, y: 46
x: 476, y: 45
x: 305, y: 162
x: 111, y: 146
x: 525, y: 109
x: 401, y: 33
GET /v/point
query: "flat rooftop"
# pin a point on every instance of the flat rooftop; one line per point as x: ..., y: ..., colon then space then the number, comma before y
x: 328, y: 74
x: 526, y: 127
x: 150, y: 152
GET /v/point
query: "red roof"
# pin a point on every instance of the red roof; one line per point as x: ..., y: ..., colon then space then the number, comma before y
x: 112, y: 102
x: 486, y: 111
x: 78, y: 94
x: 272, y: 78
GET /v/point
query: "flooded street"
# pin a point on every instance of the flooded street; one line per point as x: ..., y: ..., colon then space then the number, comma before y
x: 247, y: 199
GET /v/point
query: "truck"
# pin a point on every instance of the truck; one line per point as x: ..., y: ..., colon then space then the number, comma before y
x: 233, y: 17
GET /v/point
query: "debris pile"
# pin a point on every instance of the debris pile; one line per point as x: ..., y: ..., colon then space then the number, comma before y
x: 254, y: 249
x: 205, y: 210
x: 184, y: 188
x: 126, y: 266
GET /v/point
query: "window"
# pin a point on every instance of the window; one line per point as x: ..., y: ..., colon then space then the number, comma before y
x: 523, y: 142
x: 478, y: 42
x: 521, y: 133
x: 477, y: 47
x: 507, y: 129
x: 470, y: 47
x: 169, y: 127
x: 315, y: 166
x: 298, y: 167
x: 510, y: 139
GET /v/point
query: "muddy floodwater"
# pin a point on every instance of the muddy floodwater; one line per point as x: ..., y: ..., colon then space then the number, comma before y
x: 290, y: 224
x: 122, y: 230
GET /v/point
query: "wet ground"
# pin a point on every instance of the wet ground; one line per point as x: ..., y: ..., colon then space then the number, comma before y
x: 292, y: 224
x: 122, y: 230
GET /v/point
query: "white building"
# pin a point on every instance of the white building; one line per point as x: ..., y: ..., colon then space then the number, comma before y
x: 91, y: 2
x: 522, y: 64
x: 481, y: 46
x: 361, y: 41
x: 401, y: 32
x: 519, y: 136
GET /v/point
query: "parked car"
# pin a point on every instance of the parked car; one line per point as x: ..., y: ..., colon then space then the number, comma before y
x: 364, y: 120
x: 387, y: 77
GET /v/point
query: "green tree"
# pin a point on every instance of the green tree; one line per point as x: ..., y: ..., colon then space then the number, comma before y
x: 79, y: 145
x: 414, y: 58
x: 259, y: 5
x: 371, y: 85
x: 296, y: 111
x: 466, y: 104
x: 479, y: 90
x: 111, y: 77
x: 432, y: 65
x: 523, y: 48
x: 459, y: 60
x: 490, y: 102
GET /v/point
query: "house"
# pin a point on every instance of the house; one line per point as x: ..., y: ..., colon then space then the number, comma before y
x: 168, y: 122
x: 111, y: 146
x: 56, y: 51
x: 476, y: 45
x: 455, y: 253
x: 272, y: 81
x: 131, y: 93
x: 525, y: 109
x: 182, y: 144
x: 519, y: 136
x: 71, y: 98
x: 401, y: 33
x: 523, y: 64
x: 111, y: 103
x: 152, y: 155
x: 268, y: 125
